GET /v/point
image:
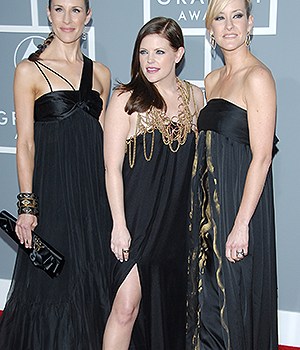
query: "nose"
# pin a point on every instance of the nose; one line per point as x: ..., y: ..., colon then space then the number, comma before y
x: 67, y: 17
x: 229, y: 24
x: 150, y: 58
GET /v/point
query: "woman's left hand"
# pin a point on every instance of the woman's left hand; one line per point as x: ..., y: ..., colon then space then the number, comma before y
x: 237, y: 243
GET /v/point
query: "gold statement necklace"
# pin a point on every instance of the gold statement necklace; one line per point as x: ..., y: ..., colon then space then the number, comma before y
x: 174, y: 130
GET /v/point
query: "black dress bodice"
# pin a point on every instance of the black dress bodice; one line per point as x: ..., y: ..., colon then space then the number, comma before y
x: 58, y: 105
x: 225, y: 118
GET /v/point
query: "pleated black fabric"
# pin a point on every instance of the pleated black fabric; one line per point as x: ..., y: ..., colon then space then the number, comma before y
x: 68, y: 312
x: 230, y: 306
x: 157, y: 204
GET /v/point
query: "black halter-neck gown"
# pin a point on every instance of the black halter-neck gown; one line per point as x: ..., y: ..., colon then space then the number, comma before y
x: 230, y: 306
x: 68, y: 312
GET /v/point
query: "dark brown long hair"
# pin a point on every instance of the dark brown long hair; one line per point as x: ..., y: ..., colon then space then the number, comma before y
x: 41, y: 48
x: 143, y: 93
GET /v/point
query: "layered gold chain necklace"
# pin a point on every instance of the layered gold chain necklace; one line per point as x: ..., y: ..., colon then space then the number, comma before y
x: 174, y: 130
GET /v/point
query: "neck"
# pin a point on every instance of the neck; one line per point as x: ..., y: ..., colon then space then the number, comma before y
x: 70, y: 52
x: 167, y: 86
x: 236, y: 59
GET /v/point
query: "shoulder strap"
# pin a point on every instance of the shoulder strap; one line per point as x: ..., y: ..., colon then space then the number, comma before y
x: 43, y: 74
x: 38, y: 63
x: 86, y: 77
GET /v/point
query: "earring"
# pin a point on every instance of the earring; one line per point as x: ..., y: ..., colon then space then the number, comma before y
x: 248, y: 39
x: 212, y: 41
x: 84, y: 36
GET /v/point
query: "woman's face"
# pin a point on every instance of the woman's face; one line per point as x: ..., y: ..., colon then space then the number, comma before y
x: 157, y: 58
x: 68, y: 18
x: 230, y: 27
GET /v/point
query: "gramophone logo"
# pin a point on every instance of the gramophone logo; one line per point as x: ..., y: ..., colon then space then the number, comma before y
x: 26, y: 47
x: 25, y: 39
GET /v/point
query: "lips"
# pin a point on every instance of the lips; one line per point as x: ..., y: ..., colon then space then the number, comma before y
x: 230, y: 36
x: 152, y: 70
x: 67, y: 30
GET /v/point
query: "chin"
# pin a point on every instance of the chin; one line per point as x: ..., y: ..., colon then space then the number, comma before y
x: 68, y: 39
x: 152, y: 78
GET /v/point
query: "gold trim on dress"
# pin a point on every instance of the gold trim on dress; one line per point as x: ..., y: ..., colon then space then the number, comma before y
x: 215, y: 201
x: 174, y: 130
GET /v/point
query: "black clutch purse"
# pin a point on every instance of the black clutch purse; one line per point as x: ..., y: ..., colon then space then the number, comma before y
x: 42, y: 254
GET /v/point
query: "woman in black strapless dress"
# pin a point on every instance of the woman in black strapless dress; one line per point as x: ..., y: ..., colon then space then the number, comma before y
x: 232, y: 300
x: 59, y: 155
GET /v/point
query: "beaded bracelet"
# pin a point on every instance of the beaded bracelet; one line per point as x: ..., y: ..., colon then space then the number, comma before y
x: 27, y: 203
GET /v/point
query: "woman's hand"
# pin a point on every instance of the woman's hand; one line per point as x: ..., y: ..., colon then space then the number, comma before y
x: 25, y: 224
x: 120, y: 243
x: 237, y: 243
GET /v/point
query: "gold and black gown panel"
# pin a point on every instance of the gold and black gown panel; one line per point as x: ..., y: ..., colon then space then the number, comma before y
x: 231, y: 306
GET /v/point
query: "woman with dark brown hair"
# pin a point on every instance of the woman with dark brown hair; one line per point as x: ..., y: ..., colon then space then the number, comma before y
x: 149, y: 147
x: 60, y: 96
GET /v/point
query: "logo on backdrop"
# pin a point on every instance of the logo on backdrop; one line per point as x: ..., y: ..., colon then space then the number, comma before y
x: 24, y: 40
x: 190, y: 14
x: 26, y: 47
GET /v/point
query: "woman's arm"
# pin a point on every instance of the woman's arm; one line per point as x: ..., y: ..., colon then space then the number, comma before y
x: 117, y: 126
x: 199, y: 101
x: 24, y: 96
x: 102, y: 74
x: 260, y: 98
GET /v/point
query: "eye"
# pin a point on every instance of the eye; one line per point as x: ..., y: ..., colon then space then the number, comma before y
x: 143, y: 52
x: 57, y: 9
x: 219, y: 18
x: 238, y: 15
x: 160, y: 52
x: 76, y: 10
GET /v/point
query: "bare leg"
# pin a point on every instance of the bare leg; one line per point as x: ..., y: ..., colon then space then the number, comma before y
x: 124, y: 311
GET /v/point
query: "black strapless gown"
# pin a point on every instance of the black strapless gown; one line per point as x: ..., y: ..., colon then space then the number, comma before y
x: 68, y: 312
x: 157, y: 196
x: 230, y: 306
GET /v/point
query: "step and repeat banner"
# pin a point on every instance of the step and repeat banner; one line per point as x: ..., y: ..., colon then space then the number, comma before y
x: 111, y: 35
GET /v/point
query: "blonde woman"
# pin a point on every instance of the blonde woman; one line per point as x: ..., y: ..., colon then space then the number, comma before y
x: 233, y: 212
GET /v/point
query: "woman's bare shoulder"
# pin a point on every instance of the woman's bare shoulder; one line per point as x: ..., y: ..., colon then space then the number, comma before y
x: 212, y: 79
x: 26, y: 68
x: 101, y: 70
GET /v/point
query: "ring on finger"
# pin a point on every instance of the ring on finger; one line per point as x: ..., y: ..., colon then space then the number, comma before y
x: 240, y: 253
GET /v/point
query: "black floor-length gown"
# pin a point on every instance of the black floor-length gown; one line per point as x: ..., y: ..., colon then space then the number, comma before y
x: 232, y: 306
x: 157, y: 193
x: 68, y: 312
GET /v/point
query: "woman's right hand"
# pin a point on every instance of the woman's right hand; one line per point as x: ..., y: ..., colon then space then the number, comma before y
x: 25, y: 224
x: 120, y: 243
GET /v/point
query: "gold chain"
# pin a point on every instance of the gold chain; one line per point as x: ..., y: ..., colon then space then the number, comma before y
x: 174, y: 130
x: 145, y: 146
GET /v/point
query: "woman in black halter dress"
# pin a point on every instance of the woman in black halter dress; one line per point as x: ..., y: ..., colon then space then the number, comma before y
x: 232, y: 300
x: 68, y: 312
